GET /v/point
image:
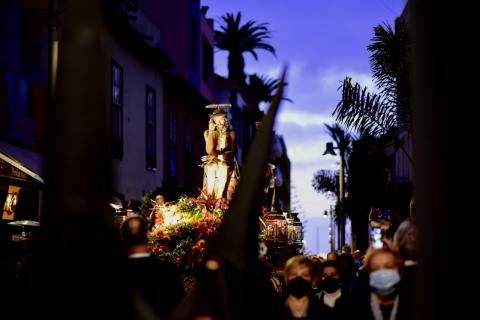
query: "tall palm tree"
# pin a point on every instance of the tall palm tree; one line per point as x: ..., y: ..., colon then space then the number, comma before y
x: 376, y: 114
x: 389, y: 63
x: 370, y: 114
x: 342, y: 138
x: 237, y: 39
x: 363, y: 111
x: 388, y: 111
x: 383, y: 114
x: 325, y: 181
x: 262, y: 88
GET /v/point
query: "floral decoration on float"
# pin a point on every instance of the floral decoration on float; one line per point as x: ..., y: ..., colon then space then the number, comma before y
x: 182, y: 229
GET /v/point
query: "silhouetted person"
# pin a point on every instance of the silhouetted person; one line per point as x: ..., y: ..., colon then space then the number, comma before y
x: 346, y: 249
x: 152, y: 282
x: 358, y: 256
x: 332, y: 256
x: 346, y: 264
x: 405, y: 242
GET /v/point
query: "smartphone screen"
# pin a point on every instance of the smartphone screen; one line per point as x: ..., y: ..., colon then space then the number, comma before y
x: 376, y: 238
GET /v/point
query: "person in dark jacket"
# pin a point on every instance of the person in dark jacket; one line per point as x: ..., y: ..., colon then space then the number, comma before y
x: 153, y: 284
x: 333, y: 300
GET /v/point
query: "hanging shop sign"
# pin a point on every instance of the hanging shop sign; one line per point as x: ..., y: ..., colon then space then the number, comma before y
x: 10, y: 203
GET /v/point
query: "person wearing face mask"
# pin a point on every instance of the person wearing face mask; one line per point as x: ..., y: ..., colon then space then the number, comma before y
x: 298, y: 302
x: 333, y: 302
x: 385, y: 298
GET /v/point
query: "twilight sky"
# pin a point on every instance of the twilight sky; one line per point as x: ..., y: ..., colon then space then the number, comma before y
x: 323, y: 41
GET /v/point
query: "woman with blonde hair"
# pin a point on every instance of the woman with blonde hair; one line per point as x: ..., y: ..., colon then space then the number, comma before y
x: 298, y: 302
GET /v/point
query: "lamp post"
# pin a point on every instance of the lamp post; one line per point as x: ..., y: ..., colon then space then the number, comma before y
x: 331, y: 233
x: 330, y: 150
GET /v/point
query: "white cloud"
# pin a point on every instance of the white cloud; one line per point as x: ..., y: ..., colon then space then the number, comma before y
x: 332, y: 79
x: 313, y: 203
x: 267, y: 70
x: 303, y: 154
x: 303, y: 119
x: 295, y: 72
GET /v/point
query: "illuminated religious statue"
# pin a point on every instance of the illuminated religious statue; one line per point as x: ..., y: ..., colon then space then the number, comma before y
x: 221, y: 172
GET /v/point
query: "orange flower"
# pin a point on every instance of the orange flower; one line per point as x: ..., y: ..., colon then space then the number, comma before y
x: 159, y: 218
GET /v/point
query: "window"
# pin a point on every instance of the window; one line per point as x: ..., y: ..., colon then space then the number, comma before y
x: 172, y: 145
x: 25, y: 98
x: 117, y: 110
x: 150, y: 128
x: 11, y: 87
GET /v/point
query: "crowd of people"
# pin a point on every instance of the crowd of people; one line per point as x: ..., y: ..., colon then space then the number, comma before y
x: 377, y: 285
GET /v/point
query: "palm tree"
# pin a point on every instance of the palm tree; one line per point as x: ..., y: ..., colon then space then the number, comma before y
x: 388, y: 111
x: 389, y: 63
x: 262, y: 88
x: 369, y: 114
x: 237, y: 39
x: 363, y: 111
x: 342, y: 138
x: 325, y: 181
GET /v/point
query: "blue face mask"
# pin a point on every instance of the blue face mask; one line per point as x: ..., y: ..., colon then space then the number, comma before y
x: 384, y: 281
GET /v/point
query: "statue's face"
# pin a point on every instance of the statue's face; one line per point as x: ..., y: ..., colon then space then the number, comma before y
x: 221, y: 122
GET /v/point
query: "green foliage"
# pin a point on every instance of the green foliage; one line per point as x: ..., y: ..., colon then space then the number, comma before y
x: 262, y: 89
x: 378, y: 114
x: 184, y: 242
x: 364, y: 112
x: 326, y: 182
x: 389, y: 62
x: 148, y: 200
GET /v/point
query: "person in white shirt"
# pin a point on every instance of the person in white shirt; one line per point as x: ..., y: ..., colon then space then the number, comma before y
x: 333, y: 301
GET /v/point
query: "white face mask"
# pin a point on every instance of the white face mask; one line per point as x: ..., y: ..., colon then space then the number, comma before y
x: 384, y: 281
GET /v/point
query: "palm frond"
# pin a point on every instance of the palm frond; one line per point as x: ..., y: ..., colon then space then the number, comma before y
x: 244, y: 38
x: 326, y: 182
x: 238, y: 38
x: 363, y: 112
x: 262, y: 88
x: 389, y: 64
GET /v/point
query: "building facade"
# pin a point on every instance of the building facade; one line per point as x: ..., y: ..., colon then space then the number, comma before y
x: 135, y: 63
x: 187, y: 38
x: 23, y: 102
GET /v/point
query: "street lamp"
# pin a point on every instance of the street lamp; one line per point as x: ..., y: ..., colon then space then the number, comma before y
x: 330, y: 150
x: 330, y: 228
